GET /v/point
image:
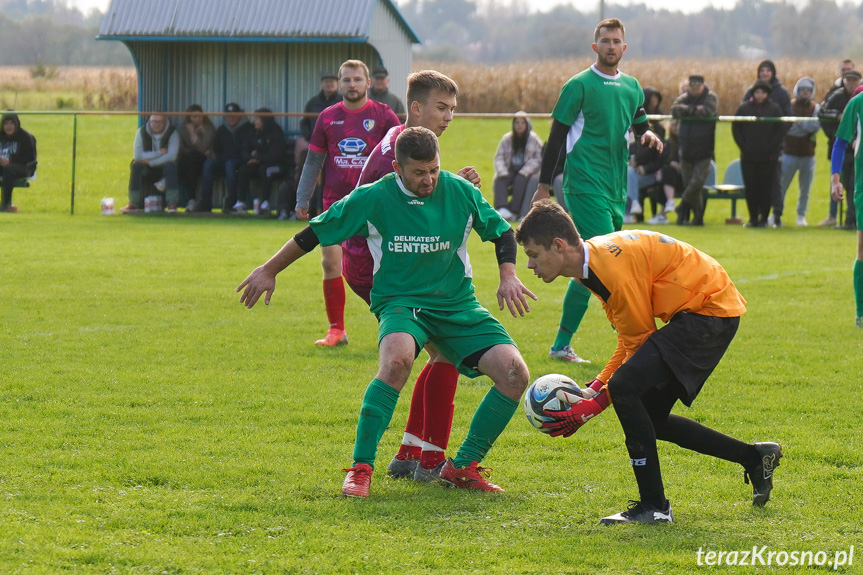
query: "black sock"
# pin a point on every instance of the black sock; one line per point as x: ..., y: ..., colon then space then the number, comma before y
x: 692, y: 435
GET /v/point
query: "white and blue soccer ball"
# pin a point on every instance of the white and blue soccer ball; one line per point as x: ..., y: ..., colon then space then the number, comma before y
x: 543, y: 394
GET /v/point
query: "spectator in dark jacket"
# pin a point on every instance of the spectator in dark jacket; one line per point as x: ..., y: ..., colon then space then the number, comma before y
x: 226, y: 159
x: 17, y: 157
x: 328, y: 96
x: 830, y: 114
x: 696, y: 110
x: 760, y: 144
x: 197, y: 136
x: 645, y: 162
x: 778, y: 93
x: 264, y: 158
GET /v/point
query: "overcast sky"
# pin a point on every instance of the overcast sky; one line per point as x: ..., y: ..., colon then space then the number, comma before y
x: 543, y: 5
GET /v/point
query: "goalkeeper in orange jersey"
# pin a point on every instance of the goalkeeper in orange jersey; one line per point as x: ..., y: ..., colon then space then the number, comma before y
x: 638, y: 276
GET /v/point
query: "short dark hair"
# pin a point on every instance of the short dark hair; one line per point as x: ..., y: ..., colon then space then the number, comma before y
x: 418, y: 144
x: 421, y: 84
x: 611, y: 24
x: 545, y: 221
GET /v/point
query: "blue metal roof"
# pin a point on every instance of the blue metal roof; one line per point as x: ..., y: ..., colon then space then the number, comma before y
x: 244, y: 20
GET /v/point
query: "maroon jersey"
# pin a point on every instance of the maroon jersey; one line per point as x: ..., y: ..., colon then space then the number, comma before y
x: 347, y: 137
x: 357, y: 263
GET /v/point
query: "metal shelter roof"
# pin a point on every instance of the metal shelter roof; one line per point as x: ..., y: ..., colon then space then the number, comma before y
x: 244, y: 20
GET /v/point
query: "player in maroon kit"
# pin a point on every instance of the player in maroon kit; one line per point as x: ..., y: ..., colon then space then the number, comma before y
x: 431, y: 98
x: 344, y: 135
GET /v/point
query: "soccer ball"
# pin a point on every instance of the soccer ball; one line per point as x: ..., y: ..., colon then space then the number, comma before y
x: 542, y: 395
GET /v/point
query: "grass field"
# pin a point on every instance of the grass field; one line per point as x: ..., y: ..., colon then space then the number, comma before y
x: 151, y: 424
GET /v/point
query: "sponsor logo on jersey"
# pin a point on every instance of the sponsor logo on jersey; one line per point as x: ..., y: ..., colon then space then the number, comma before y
x: 336, y: 122
x: 368, y: 124
x: 417, y: 244
x: 416, y: 203
x: 610, y: 83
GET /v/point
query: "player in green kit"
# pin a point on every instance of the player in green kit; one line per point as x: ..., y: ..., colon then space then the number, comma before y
x: 592, y: 116
x: 417, y: 222
x: 851, y: 130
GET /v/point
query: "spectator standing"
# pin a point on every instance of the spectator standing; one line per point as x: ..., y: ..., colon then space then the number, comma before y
x: 156, y: 147
x: 344, y: 136
x: 264, y: 158
x: 696, y: 111
x: 197, y: 137
x: 226, y: 158
x: 380, y: 91
x: 760, y: 144
x: 17, y: 157
x: 799, y: 153
x: 592, y: 117
x: 518, y: 157
x: 778, y: 94
x: 328, y: 96
x: 831, y: 114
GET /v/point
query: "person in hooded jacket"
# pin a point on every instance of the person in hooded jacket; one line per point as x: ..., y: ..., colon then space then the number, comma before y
x: 799, y: 154
x: 264, y: 157
x: 778, y: 94
x: 518, y: 157
x: 155, y: 151
x: 17, y: 157
x: 760, y: 144
x: 645, y: 162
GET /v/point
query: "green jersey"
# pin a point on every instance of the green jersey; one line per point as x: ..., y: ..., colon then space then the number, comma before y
x: 599, y: 110
x: 851, y: 130
x: 419, y: 245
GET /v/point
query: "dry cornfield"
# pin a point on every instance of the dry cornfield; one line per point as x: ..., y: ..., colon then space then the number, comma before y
x: 90, y: 88
x: 534, y: 86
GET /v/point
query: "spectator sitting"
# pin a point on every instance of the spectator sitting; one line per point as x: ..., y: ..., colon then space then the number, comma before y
x: 645, y: 162
x: 17, y: 157
x: 380, y: 91
x: 264, y: 158
x: 799, y: 154
x: 831, y: 112
x: 518, y: 157
x: 760, y: 144
x: 670, y: 174
x: 155, y: 157
x: 556, y: 183
x: 197, y: 137
x: 226, y: 158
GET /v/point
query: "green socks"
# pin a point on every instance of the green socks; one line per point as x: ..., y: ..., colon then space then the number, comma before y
x: 858, y: 286
x: 574, y: 307
x: 379, y: 403
x: 491, y: 417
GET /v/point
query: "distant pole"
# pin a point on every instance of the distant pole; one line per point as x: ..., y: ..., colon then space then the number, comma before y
x: 601, y: 10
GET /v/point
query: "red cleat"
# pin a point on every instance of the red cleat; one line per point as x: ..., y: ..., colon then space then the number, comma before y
x: 470, y: 477
x: 358, y: 481
x: 334, y: 338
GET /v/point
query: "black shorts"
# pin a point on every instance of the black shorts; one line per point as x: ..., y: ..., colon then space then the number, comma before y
x: 691, y: 345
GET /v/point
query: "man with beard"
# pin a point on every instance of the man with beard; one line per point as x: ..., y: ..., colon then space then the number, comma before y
x: 592, y: 116
x: 344, y: 135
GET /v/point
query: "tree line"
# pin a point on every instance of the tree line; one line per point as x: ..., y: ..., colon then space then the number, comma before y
x: 504, y: 30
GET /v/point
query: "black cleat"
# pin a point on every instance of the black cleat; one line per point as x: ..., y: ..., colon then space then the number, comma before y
x: 761, y: 475
x: 639, y: 512
x: 402, y: 468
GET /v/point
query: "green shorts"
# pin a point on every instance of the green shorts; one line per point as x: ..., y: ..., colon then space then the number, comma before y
x: 595, y: 215
x: 456, y: 334
x: 858, y: 208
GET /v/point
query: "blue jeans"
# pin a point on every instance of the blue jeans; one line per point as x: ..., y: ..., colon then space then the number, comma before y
x: 635, y: 182
x: 804, y: 167
x: 215, y: 168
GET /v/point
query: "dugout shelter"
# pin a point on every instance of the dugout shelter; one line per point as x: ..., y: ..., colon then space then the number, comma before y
x: 258, y: 53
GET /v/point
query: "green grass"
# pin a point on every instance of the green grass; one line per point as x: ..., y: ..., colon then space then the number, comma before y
x: 150, y: 423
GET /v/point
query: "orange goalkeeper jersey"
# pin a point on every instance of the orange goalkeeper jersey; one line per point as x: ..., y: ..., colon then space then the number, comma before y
x: 641, y: 275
